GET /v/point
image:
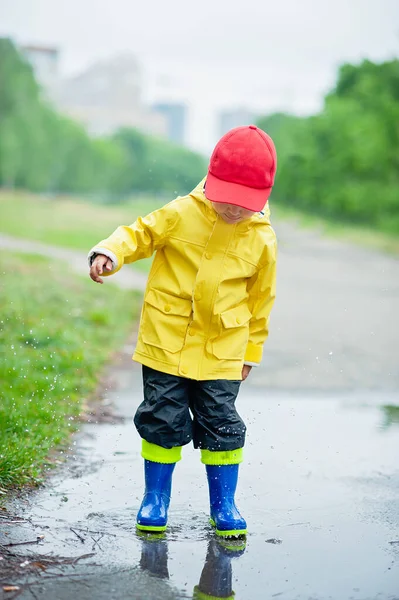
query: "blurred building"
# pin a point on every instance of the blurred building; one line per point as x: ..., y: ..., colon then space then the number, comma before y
x: 45, y: 63
x: 107, y: 96
x: 176, y: 119
x: 234, y: 118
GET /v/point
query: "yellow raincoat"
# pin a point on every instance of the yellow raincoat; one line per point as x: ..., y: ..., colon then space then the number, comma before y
x: 210, y: 289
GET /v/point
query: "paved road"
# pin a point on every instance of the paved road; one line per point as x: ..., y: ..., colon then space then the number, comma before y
x: 320, y: 482
x: 335, y: 324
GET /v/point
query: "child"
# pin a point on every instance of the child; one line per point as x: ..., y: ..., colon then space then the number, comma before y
x: 204, y: 320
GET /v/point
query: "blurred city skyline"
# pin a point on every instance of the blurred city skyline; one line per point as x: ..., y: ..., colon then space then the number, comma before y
x: 261, y: 58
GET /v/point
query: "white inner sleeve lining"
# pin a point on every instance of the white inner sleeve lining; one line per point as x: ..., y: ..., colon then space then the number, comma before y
x: 108, y: 253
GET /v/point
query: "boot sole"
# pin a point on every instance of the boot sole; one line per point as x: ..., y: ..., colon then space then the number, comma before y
x: 149, y: 528
x: 231, y: 533
x: 198, y: 595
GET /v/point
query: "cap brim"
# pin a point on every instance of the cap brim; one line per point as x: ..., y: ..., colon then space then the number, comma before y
x: 218, y: 190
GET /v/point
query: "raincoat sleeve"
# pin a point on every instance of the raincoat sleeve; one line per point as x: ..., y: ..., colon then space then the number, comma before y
x: 262, y: 291
x: 139, y: 240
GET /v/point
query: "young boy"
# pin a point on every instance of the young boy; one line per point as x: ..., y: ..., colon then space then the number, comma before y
x: 204, y: 320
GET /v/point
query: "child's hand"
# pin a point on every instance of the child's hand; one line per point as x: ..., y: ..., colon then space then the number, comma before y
x: 98, y: 265
x: 245, y: 372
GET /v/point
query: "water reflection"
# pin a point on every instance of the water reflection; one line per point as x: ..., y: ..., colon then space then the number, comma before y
x: 154, y: 555
x: 216, y: 579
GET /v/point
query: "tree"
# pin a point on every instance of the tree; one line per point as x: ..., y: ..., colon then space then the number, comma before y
x: 41, y: 150
x: 344, y: 162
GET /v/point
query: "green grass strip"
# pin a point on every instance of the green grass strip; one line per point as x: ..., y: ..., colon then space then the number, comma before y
x: 67, y: 222
x: 57, y: 331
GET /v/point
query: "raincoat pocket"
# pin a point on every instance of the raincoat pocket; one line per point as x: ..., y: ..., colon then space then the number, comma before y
x: 234, y: 332
x: 165, y: 320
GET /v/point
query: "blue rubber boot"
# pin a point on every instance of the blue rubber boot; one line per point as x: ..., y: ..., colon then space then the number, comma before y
x: 153, y: 512
x: 225, y: 517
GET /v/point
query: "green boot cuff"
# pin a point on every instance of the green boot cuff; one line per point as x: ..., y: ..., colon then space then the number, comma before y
x: 160, y: 455
x: 198, y: 595
x: 226, y: 457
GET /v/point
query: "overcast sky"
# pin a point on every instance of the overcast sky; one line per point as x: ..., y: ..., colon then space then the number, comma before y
x: 215, y: 54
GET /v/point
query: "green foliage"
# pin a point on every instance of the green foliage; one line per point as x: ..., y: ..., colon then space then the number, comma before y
x: 154, y: 165
x: 40, y: 150
x: 56, y: 333
x: 344, y: 162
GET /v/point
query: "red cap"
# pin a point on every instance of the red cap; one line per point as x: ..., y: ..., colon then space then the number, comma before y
x: 242, y: 168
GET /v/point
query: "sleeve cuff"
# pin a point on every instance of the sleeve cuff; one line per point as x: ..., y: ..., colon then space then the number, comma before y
x: 251, y: 364
x: 253, y: 354
x: 99, y: 250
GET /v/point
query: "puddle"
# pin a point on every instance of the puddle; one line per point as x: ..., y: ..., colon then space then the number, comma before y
x: 319, y: 488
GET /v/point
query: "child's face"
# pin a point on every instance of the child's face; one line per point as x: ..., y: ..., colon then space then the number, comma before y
x: 231, y: 213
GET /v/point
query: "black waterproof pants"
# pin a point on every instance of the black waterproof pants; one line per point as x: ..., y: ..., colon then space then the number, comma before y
x: 176, y: 410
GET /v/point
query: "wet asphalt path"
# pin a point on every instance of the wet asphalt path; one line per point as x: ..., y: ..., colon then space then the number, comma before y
x: 319, y: 486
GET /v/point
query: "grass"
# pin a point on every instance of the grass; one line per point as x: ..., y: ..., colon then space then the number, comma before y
x: 355, y: 234
x: 57, y: 331
x: 67, y: 222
